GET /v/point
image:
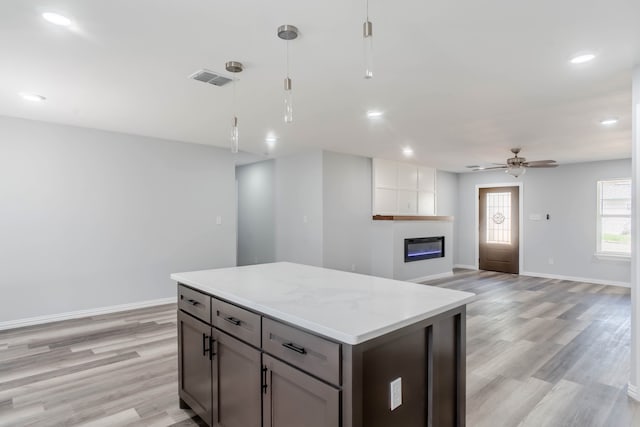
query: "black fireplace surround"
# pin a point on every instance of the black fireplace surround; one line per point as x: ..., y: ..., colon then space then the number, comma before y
x: 419, y: 248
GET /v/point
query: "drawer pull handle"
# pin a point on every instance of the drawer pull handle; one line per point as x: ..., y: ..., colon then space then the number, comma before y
x: 193, y: 302
x: 233, y: 320
x: 294, y: 347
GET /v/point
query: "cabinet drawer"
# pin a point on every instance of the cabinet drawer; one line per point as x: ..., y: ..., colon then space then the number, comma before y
x: 309, y: 352
x: 195, y: 303
x: 237, y: 321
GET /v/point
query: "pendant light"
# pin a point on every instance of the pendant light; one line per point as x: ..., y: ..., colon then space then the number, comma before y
x: 234, y: 67
x: 286, y: 33
x: 367, y: 33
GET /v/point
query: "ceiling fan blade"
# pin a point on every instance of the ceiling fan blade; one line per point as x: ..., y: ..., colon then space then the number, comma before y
x: 539, y: 162
x: 489, y: 168
x: 542, y: 165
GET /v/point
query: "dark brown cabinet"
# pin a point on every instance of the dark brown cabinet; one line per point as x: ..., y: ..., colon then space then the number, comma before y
x: 237, y: 378
x: 241, y: 368
x: 295, y: 399
x: 195, y: 365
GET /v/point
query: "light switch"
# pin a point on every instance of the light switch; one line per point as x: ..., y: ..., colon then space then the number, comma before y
x: 305, y: 219
x: 218, y: 220
x: 396, y: 393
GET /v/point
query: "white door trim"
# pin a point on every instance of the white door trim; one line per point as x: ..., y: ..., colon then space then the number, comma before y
x: 520, y: 220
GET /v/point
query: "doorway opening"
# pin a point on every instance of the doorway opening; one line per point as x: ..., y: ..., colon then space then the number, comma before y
x: 499, y: 227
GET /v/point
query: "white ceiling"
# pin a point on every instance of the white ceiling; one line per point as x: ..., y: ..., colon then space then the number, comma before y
x: 459, y: 81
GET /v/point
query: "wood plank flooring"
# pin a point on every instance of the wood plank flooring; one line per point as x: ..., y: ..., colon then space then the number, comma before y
x: 540, y: 352
x: 544, y: 352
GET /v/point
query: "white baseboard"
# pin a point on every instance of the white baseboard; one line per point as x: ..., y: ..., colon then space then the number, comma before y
x: 431, y: 277
x: 19, y: 323
x: 576, y: 279
x: 466, y: 267
x: 632, y: 392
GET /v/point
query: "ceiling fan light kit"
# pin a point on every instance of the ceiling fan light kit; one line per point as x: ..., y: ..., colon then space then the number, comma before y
x: 517, y: 166
x: 516, y: 171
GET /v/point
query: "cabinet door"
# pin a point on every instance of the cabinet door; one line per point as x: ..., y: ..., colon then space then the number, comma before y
x: 407, y: 202
x: 295, y: 399
x: 385, y: 174
x: 385, y: 201
x: 426, y: 203
x: 426, y: 179
x: 407, y: 176
x: 237, y: 375
x: 195, y: 365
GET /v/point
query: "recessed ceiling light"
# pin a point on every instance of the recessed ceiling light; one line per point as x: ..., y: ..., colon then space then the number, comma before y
x: 34, y: 97
x: 373, y: 114
x: 407, y: 151
x: 57, y: 19
x: 270, y: 140
x: 609, y: 122
x: 582, y: 58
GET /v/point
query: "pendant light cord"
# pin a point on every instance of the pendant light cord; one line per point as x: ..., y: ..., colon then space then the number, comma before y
x: 235, y: 109
x: 367, y: 12
x: 287, y: 48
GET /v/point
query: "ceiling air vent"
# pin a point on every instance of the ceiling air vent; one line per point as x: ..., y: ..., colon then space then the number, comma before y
x: 211, y: 77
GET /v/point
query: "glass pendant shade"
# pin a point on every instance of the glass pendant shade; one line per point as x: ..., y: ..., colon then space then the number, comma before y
x: 368, y: 49
x: 234, y: 135
x: 288, y: 101
x: 288, y: 33
x: 516, y: 171
x: 234, y: 67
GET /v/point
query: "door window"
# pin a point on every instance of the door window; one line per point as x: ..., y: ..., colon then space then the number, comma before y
x: 498, y: 218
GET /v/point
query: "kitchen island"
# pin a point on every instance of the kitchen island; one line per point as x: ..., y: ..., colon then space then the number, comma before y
x: 288, y: 345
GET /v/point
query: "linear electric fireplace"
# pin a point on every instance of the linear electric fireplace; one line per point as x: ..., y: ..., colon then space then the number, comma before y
x: 423, y: 248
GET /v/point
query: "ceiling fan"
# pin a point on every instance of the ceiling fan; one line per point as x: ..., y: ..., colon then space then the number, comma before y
x: 517, y: 166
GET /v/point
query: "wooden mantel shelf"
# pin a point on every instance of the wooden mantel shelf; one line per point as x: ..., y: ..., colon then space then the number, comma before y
x: 411, y: 218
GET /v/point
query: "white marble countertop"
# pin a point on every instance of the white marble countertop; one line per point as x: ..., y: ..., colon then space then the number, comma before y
x: 347, y: 307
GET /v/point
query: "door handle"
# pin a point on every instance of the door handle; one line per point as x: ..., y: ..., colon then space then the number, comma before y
x: 233, y: 320
x: 294, y: 347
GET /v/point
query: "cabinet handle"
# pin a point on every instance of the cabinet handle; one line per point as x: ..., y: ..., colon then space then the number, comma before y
x: 264, y: 379
x: 193, y: 302
x: 294, y: 347
x: 208, y: 339
x: 233, y: 320
x: 211, y: 352
x: 204, y: 344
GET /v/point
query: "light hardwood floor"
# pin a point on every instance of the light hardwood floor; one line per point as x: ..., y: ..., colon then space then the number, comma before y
x: 539, y: 353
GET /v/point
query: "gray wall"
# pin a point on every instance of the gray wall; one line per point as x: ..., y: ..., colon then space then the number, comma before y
x: 446, y: 193
x: 322, y: 211
x: 298, y: 191
x: 568, y: 195
x: 91, y: 219
x: 256, y: 213
x: 347, y: 212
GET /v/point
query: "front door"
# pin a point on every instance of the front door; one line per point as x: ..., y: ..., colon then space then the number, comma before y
x: 499, y: 232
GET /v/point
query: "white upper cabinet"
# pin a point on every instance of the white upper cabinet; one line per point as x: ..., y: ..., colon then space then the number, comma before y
x: 385, y: 174
x: 407, y: 176
x: 426, y: 179
x: 403, y: 188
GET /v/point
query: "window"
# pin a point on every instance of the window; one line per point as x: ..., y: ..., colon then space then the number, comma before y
x: 499, y: 218
x: 614, y: 217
